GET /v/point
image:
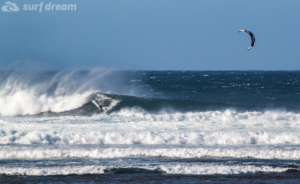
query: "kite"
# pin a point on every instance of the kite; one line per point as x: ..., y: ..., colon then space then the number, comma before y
x: 252, y: 38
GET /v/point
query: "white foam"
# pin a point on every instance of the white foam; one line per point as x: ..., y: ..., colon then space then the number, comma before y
x: 27, y: 102
x: 228, y: 115
x: 78, y: 135
x: 38, y: 171
x: 64, y: 152
x: 185, y: 168
x: 31, y: 93
x: 202, y: 128
x: 209, y: 169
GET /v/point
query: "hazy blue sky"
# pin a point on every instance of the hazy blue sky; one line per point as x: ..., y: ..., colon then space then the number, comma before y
x: 153, y: 35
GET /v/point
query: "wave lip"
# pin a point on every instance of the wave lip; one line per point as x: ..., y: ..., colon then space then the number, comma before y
x: 46, y: 92
x: 27, y: 103
x: 25, y: 93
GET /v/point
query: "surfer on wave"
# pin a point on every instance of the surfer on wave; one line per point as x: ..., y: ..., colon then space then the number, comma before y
x: 100, y: 107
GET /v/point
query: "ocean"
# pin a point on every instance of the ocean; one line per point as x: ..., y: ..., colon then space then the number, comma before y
x: 158, y: 126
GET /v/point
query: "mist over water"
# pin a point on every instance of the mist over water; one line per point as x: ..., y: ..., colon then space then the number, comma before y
x: 32, y: 92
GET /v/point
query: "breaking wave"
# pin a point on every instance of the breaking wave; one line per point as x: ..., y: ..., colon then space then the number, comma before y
x: 31, y: 93
x: 78, y: 93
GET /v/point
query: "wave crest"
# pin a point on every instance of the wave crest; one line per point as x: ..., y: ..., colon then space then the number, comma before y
x: 29, y: 93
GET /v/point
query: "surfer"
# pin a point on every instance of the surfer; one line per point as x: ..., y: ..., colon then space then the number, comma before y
x: 100, y: 107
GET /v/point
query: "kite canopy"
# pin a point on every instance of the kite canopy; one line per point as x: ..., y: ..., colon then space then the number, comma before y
x: 252, y: 38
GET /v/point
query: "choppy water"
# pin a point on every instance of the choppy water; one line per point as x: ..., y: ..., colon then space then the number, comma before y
x: 172, y: 122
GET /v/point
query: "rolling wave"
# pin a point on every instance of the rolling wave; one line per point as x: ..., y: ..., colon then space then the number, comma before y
x: 115, y: 103
x: 78, y: 93
x: 56, y: 93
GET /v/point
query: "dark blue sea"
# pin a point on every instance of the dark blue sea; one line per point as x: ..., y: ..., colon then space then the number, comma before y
x: 155, y: 127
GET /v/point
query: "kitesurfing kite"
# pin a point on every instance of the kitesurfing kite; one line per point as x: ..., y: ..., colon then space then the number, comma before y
x: 252, y: 38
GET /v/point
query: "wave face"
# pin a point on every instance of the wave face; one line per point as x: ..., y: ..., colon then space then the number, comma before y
x: 31, y: 93
x: 154, y: 122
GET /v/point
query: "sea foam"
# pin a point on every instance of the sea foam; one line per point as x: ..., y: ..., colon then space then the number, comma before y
x: 194, y: 128
x: 182, y: 152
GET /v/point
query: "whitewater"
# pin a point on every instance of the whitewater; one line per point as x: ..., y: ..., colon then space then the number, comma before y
x: 167, y: 122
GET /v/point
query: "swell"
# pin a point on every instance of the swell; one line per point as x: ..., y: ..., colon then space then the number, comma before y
x: 154, y: 105
x: 171, y: 105
x: 115, y: 103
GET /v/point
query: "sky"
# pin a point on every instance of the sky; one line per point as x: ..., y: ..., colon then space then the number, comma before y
x: 151, y: 35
